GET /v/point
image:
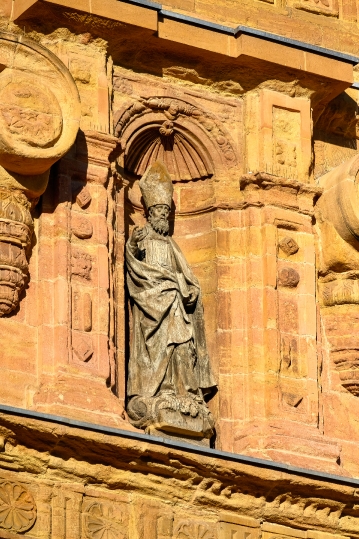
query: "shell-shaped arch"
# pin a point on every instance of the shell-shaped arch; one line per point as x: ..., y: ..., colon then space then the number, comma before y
x: 184, y: 159
x: 191, y: 142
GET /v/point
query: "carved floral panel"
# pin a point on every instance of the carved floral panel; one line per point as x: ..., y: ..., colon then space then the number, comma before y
x: 17, y: 507
x: 321, y: 7
x: 104, y: 521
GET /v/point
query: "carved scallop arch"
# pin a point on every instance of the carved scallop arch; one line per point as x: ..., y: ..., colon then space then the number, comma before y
x: 192, y: 143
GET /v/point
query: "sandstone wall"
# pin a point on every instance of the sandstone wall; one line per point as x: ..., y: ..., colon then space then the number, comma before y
x: 247, y: 138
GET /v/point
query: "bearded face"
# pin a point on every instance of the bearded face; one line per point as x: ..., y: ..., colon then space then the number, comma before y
x: 158, y: 218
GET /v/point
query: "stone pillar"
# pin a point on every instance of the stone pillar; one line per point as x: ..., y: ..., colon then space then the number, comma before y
x: 78, y: 366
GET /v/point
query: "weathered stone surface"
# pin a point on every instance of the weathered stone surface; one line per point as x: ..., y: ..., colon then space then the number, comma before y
x: 260, y: 141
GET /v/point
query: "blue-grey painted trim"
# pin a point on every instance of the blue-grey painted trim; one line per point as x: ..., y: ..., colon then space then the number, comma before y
x: 211, y: 453
x: 144, y: 3
x: 329, y: 53
x: 198, y: 22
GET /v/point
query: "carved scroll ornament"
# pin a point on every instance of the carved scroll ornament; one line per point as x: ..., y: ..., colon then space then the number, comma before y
x: 338, y: 226
x: 39, y: 120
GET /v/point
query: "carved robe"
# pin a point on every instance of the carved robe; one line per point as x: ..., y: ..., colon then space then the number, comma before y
x: 168, y: 349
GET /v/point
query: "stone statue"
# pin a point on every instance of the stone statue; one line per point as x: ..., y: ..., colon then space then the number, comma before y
x: 169, y: 370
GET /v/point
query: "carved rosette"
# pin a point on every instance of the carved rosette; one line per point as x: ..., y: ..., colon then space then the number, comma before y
x: 194, y: 530
x: 16, y: 228
x: 101, y: 522
x: 17, y: 507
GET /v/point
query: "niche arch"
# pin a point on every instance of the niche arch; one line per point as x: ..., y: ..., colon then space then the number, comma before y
x: 192, y: 142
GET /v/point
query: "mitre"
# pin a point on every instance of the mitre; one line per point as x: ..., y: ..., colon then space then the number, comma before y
x: 156, y: 185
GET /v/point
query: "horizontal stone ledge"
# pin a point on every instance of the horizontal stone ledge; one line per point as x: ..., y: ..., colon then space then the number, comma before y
x: 175, y: 445
x: 208, y: 35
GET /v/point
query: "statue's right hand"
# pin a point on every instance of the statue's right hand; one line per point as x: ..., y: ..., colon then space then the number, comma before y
x: 138, y: 234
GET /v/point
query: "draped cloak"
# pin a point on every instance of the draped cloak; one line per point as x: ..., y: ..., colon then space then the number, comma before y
x: 161, y: 322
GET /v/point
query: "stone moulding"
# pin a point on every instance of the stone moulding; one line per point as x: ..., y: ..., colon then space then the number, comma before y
x: 127, y: 473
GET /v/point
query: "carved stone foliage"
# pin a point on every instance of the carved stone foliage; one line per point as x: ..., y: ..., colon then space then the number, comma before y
x: 321, y: 7
x: 16, y: 228
x: 174, y: 132
x: 103, y: 522
x: 194, y: 530
x: 17, y: 507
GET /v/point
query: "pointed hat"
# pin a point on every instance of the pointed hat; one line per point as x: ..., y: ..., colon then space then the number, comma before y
x: 156, y: 185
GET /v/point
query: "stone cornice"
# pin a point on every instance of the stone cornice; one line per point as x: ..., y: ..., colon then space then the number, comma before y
x: 36, y: 447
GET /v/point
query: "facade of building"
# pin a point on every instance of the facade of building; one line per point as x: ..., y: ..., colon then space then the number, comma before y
x: 251, y: 107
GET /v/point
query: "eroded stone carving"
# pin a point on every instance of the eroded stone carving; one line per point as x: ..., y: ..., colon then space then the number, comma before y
x: 16, y: 228
x: 81, y: 264
x: 194, y: 530
x: 338, y: 227
x: 169, y: 370
x: 289, y: 246
x: 322, y: 7
x: 17, y: 507
x: 39, y: 120
x: 101, y: 522
x: 288, y: 277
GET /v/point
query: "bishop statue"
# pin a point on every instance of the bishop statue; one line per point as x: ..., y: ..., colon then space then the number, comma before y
x: 169, y: 373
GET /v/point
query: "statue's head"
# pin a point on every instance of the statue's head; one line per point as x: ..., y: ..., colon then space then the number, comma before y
x: 157, y: 189
x: 158, y: 218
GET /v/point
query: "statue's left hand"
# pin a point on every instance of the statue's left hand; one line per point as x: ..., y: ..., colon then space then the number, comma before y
x: 193, y: 295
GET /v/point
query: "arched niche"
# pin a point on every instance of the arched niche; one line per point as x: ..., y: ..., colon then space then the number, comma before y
x: 191, y: 142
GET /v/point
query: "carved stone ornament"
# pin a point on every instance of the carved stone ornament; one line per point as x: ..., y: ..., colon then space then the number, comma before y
x: 289, y: 246
x: 39, y: 120
x: 169, y: 369
x: 16, y: 228
x: 194, y: 530
x: 17, y: 507
x: 39, y: 106
x: 102, y: 523
x: 174, y: 132
x: 337, y: 218
x: 288, y: 277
